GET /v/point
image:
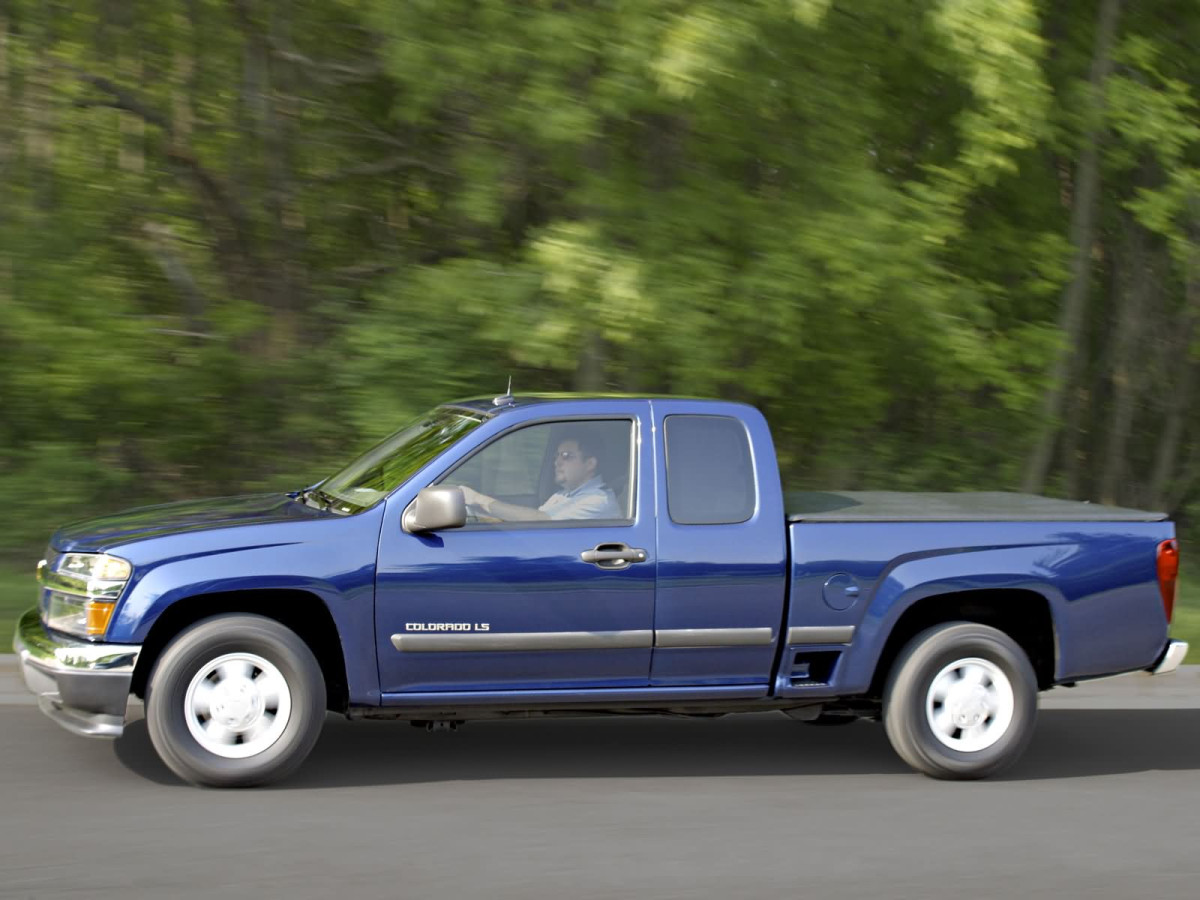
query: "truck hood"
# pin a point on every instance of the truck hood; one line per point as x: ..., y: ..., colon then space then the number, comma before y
x: 109, y: 531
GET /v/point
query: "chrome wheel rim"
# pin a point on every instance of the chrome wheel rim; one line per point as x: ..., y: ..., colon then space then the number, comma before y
x: 237, y: 705
x: 970, y: 705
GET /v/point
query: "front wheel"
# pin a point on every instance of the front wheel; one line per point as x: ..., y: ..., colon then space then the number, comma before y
x: 234, y: 701
x: 960, y: 701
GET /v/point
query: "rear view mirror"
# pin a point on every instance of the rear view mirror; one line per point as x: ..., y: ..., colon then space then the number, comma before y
x: 435, y: 509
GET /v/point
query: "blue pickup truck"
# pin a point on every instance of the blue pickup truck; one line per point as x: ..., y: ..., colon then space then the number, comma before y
x: 566, y: 555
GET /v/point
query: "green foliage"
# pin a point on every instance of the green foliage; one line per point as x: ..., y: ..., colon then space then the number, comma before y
x: 240, y: 242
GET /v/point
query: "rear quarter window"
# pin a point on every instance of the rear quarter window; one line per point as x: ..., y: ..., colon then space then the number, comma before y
x: 710, y: 476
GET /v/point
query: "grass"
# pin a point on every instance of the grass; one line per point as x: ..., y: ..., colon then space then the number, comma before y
x: 1186, y: 624
x: 18, y: 592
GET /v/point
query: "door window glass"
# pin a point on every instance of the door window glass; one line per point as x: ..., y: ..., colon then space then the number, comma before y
x: 710, y: 476
x: 571, y: 471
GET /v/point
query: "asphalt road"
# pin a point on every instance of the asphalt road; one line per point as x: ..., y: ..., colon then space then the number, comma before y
x: 1105, y: 804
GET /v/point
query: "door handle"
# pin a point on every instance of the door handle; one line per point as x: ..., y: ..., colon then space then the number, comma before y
x: 613, y: 556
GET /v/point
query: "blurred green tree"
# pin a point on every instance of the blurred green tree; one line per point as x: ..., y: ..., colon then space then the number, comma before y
x: 942, y: 243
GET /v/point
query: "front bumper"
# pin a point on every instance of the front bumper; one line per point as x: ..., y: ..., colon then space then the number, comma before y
x: 82, y: 686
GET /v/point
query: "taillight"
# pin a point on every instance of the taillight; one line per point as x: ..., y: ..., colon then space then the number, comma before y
x: 1168, y: 574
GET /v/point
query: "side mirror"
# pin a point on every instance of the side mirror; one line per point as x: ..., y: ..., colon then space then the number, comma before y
x: 435, y: 509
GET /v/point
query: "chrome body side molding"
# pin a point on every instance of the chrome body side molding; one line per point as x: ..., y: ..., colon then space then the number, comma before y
x: 837, y: 634
x: 714, y: 637
x: 470, y: 642
x: 533, y: 640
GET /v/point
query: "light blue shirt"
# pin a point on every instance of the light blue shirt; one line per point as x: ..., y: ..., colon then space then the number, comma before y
x: 591, y: 500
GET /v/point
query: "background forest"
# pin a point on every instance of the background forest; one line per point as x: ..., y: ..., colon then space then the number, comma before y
x: 943, y: 244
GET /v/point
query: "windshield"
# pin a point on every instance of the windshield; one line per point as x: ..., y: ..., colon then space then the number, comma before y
x: 389, y: 463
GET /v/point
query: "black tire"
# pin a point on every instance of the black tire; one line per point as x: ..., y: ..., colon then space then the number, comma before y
x: 188, y: 654
x: 907, y: 694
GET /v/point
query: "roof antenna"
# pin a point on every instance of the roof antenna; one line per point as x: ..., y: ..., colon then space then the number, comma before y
x: 507, y: 398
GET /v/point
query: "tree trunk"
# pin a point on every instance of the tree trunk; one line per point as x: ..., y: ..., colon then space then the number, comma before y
x: 183, y: 78
x: 1070, y: 453
x: 131, y: 149
x: 589, y: 374
x: 39, y: 122
x: 1181, y: 397
x: 1132, y: 295
x: 281, y: 113
x: 7, y: 159
x: 1083, y: 214
x: 268, y: 123
x: 6, y: 126
x: 1188, y: 477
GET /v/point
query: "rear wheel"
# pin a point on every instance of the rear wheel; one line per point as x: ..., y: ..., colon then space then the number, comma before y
x: 234, y: 701
x: 960, y: 701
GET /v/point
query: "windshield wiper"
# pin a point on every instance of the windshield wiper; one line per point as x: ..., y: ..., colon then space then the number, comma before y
x: 334, y: 504
x: 321, y: 500
x: 308, y: 497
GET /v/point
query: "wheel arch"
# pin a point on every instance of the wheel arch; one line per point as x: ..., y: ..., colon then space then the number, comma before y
x: 301, y: 611
x: 1024, y: 615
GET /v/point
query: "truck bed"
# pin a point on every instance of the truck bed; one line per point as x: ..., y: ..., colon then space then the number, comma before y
x: 996, y: 506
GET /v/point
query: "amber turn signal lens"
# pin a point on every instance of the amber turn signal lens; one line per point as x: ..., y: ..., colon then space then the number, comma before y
x: 98, y: 615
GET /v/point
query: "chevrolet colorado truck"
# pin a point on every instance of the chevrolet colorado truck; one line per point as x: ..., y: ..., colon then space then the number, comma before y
x: 566, y: 555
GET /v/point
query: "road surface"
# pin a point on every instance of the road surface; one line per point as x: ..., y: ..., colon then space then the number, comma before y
x: 1105, y: 804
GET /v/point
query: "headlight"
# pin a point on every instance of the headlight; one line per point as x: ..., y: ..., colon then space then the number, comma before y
x: 82, y: 590
x: 94, y: 567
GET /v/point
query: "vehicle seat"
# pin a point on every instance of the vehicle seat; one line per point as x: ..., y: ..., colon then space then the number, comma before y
x: 614, y: 469
x: 619, y: 485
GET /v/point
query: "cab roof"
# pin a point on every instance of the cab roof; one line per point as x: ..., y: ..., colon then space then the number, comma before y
x: 491, y: 404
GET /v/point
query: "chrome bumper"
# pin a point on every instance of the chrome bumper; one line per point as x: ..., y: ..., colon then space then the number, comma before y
x: 1171, y: 659
x: 82, y: 686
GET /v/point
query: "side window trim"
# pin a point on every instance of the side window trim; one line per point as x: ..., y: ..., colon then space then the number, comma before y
x: 631, y: 419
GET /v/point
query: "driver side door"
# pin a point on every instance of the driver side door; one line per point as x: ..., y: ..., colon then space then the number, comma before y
x: 515, y: 606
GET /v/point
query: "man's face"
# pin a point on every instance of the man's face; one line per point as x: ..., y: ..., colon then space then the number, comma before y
x: 570, y: 468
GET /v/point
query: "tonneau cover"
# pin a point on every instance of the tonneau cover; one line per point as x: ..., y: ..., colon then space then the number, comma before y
x: 996, y: 506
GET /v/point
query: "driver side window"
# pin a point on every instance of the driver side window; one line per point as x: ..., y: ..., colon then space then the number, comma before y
x: 551, y: 472
x: 508, y: 468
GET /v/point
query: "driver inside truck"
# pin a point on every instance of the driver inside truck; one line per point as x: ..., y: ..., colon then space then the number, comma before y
x: 582, y: 492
